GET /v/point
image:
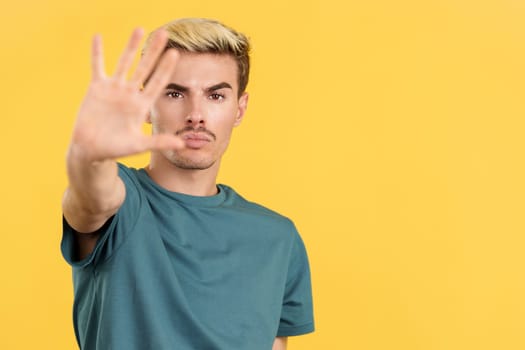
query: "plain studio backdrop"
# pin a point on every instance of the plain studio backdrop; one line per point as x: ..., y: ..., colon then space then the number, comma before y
x: 391, y: 132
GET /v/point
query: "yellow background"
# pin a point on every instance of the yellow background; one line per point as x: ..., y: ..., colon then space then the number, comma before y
x: 390, y: 131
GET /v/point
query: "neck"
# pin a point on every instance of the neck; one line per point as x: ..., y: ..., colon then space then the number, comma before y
x: 186, y: 181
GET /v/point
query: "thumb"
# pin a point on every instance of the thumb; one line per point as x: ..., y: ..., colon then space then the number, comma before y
x: 160, y: 142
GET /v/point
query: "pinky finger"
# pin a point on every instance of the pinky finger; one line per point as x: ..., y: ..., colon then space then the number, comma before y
x: 97, y: 59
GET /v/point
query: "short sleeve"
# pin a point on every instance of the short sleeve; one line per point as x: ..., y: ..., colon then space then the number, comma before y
x: 113, y: 233
x: 297, y: 309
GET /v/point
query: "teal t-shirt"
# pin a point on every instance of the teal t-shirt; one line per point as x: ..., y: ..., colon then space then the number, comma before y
x: 173, y: 271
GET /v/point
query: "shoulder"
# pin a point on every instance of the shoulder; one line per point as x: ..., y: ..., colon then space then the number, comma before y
x: 133, y: 180
x: 127, y: 173
x: 241, y: 204
x: 135, y: 191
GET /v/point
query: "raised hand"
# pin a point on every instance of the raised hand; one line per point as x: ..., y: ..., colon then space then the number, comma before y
x: 110, y: 120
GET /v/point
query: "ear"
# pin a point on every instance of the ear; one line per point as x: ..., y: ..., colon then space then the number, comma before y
x: 243, y: 104
x: 148, y: 117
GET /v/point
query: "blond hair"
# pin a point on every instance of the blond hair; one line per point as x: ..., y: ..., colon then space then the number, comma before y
x: 202, y: 35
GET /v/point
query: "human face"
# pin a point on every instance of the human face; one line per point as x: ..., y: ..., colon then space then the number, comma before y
x: 201, y: 105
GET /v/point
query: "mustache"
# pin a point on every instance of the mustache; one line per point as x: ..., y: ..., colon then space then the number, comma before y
x: 196, y: 130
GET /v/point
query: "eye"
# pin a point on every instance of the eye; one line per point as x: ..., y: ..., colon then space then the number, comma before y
x: 174, y: 94
x: 217, y: 97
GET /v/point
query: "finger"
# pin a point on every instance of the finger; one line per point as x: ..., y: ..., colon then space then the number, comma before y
x: 151, y: 56
x: 97, y: 59
x: 162, y: 74
x: 126, y: 60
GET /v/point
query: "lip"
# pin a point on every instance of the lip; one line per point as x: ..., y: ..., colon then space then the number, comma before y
x: 195, y: 140
x: 195, y: 136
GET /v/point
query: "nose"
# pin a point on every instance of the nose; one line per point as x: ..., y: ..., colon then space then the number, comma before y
x: 195, y: 116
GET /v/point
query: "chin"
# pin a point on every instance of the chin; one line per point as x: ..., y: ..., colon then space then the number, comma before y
x: 191, y: 164
x: 189, y: 161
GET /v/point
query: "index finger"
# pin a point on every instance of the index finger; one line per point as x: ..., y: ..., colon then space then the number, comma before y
x: 157, y: 45
x: 162, y: 74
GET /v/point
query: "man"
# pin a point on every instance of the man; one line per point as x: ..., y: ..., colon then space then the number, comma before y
x: 163, y: 257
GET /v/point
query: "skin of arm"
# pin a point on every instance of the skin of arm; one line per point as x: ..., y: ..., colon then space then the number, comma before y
x: 94, y: 194
x: 280, y: 343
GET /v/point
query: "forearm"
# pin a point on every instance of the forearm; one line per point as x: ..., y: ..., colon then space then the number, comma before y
x: 280, y: 343
x: 95, y: 191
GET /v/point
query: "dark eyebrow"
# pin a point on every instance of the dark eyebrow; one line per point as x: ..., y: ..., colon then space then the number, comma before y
x: 219, y: 86
x: 223, y: 85
x: 173, y: 86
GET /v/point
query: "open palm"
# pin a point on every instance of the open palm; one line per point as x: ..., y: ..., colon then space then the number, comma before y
x: 110, y: 120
